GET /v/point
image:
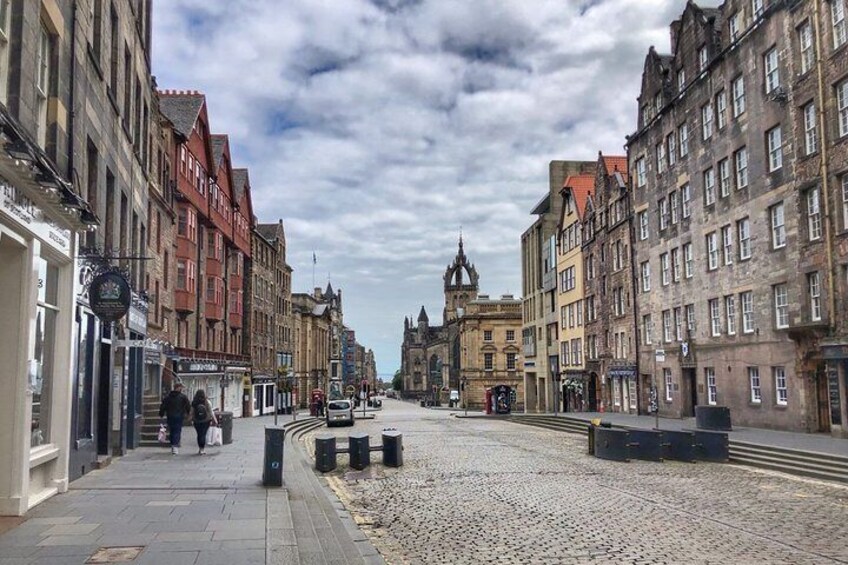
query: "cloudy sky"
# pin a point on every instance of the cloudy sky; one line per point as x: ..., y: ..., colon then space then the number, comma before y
x: 376, y: 128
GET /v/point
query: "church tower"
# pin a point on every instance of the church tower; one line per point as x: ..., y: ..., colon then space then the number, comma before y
x: 461, y: 285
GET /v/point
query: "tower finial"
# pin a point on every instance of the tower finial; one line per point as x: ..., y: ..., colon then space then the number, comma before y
x: 460, y: 240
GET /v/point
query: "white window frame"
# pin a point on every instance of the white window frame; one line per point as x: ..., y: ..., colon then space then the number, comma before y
x: 737, y: 90
x: 733, y: 26
x: 703, y: 58
x: 671, y: 150
x: 666, y: 320
x: 641, y: 173
x: 690, y: 317
x: 814, y: 218
x: 756, y: 9
x: 774, y: 138
x: 707, y: 121
x: 747, y: 300
x: 837, y: 18
x: 781, y: 306
x: 44, y: 72
x: 669, y: 384
x: 664, y: 216
x: 685, y: 200
x: 754, y: 385
x: 814, y: 291
x: 646, y: 276
x: 683, y: 134
x: 740, y: 159
x: 842, y: 107
x: 811, y: 138
x: 688, y: 261
x: 664, y: 269
x: 844, y: 181
x: 643, y: 225
x: 674, y: 204
x: 709, y: 187
x: 675, y: 264
x: 805, y: 46
x: 724, y: 178
x: 721, y: 109
x: 781, y: 390
x: 727, y: 244
x: 660, y: 155
x: 771, y: 67
x: 647, y: 330
x: 712, y: 388
x: 730, y: 313
x: 714, y: 309
x: 743, y: 233
x: 778, y: 226
x: 712, y: 251
x: 678, y: 323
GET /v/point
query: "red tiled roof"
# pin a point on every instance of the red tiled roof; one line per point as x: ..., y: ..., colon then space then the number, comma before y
x: 581, y: 186
x: 616, y: 163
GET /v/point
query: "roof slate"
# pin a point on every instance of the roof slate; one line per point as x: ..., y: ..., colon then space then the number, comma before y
x: 240, y: 180
x: 268, y: 231
x: 182, y: 110
x: 219, y: 142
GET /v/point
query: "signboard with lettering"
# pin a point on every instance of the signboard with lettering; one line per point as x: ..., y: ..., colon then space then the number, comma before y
x: 192, y: 366
x: 20, y: 208
x: 109, y: 296
x: 659, y: 355
x: 835, y: 399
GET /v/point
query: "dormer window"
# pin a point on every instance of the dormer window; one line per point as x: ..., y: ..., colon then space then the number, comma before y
x: 703, y: 58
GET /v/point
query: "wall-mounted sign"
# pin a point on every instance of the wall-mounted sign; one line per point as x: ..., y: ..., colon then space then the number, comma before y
x: 189, y: 366
x: 109, y: 296
x: 659, y: 355
x: 18, y: 206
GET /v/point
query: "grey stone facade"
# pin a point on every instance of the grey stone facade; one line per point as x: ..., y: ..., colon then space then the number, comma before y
x: 735, y: 228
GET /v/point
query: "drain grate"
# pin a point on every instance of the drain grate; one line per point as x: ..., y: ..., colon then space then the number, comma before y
x: 115, y: 554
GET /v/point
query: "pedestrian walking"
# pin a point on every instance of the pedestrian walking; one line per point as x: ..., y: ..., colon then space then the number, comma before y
x: 203, y: 417
x: 175, y: 407
x: 320, y: 408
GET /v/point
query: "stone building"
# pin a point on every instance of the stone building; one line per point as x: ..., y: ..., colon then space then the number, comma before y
x: 261, y: 329
x: 109, y: 117
x: 313, y: 320
x: 540, y: 331
x: 570, y: 297
x: 48, y: 425
x: 608, y: 286
x: 270, y: 321
x: 430, y: 355
x: 489, y: 351
x: 214, y: 223
x: 738, y: 169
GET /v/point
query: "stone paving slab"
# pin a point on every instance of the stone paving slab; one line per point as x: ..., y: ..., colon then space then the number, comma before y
x: 188, y: 510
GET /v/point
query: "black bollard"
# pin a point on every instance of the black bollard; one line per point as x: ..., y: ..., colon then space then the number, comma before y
x: 272, y: 468
x: 392, y: 449
x: 325, y: 453
x: 360, y: 451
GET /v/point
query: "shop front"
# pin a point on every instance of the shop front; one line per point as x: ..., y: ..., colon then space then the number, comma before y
x: 262, y: 394
x: 835, y: 385
x: 624, y: 390
x: 200, y: 374
x: 40, y: 216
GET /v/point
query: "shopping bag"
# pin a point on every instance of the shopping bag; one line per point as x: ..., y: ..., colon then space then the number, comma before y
x: 214, y: 436
x: 163, y: 434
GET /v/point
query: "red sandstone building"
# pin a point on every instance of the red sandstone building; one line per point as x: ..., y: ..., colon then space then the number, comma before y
x: 214, y: 216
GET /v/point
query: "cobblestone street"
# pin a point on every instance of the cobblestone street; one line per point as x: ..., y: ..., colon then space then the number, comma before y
x: 477, y: 491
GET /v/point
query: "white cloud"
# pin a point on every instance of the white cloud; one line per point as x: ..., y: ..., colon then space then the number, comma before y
x: 376, y: 128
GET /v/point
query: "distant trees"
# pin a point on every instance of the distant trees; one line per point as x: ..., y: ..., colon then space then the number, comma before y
x: 397, y: 381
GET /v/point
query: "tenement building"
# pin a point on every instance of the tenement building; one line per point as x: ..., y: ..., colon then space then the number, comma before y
x: 540, y: 329
x: 313, y: 319
x: 611, y: 361
x: 739, y: 196
x: 214, y: 222
x: 570, y: 296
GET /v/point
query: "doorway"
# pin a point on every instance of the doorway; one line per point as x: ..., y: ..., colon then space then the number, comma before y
x: 822, y: 400
x: 593, y: 392
x: 690, y: 381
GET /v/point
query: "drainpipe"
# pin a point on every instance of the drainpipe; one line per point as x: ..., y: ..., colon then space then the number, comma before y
x: 72, y: 97
x: 828, y: 223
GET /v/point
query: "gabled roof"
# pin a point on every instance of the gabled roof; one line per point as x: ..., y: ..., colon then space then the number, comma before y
x: 616, y: 163
x: 181, y: 108
x: 219, y: 143
x: 240, y: 180
x: 580, y: 187
x: 268, y: 231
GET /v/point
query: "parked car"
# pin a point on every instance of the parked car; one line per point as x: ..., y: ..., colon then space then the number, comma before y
x: 339, y: 412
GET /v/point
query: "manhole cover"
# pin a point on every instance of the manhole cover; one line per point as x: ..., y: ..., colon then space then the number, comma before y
x: 115, y: 554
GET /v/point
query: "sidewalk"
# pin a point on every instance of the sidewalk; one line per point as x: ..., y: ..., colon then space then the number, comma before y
x: 790, y: 440
x: 190, y: 509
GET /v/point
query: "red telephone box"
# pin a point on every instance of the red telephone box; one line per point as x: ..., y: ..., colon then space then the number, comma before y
x: 488, y: 401
x: 316, y: 397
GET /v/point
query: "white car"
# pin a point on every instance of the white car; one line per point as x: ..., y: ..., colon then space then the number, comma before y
x: 339, y: 412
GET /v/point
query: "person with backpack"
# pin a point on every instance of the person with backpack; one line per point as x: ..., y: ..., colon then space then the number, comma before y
x: 203, y: 417
x: 176, y: 407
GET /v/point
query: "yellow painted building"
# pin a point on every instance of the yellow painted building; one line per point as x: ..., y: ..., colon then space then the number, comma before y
x: 570, y: 295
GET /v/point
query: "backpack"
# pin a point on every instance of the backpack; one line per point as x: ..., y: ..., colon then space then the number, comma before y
x: 201, y: 414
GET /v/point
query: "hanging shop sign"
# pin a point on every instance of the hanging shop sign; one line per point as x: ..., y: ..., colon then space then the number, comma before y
x: 110, y: 296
